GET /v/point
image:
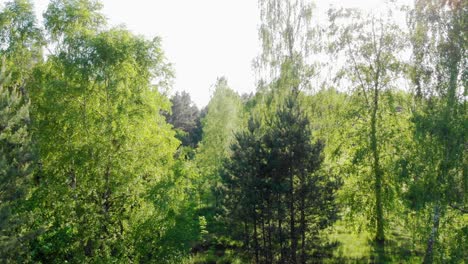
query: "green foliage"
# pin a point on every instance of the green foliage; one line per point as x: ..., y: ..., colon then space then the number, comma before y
x: 16, y: 169
x: 224, y: 116
x: 66, y: 21
x: 362, y: 170
x: 169, y: 235
x: 438, y: 72
x: 275, y: 193
x: 104, y: 145
x: 185, y: 117
x: 372, y: 48
x: 21, y: 40
x: 287, y: 38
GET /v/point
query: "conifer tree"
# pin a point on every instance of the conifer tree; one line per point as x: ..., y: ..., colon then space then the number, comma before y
x: 185, y: 117
x: 275, y: 172
x: 16, y: 169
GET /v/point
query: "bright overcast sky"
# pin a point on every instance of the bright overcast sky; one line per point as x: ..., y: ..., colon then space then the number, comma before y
x: 203, y: 39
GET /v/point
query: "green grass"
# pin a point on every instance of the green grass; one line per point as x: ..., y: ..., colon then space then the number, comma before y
x: 358, y: 247
x: 215, y: 257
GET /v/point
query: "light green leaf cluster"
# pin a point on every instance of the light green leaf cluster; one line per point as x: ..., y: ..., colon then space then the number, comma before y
x: 224, y: 117
x: 103, y: 143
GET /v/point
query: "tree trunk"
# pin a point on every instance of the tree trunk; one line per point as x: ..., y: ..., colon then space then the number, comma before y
x: 270, y: 245
x: 303, y: 223
x: 280, y: 230
x: 246, y: 235
x: 429, y: 256
x: 292, y: 223
x: 72, y: 179
x: 106, y: 202
x: 255, y: 235
x: 380, y: 235
x: 73, y: 184
x: 264, y: 239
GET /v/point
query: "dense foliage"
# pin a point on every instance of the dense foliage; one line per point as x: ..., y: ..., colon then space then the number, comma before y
x: 352, y: 149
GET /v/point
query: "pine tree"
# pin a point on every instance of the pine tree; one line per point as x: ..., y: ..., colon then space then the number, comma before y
x: 16, y: 168
x: 185, y: 117
x: 307, y: 194
x: 244, y: 187
x: 276, y: 193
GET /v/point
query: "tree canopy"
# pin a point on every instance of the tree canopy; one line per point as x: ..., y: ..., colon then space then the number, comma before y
x: 351, y: 150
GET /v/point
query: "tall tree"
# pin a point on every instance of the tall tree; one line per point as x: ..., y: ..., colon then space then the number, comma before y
x: 371, y: 46
x: 224, y: 116
x: 276, y: 193
x: 16, y: 169
x: 185, y: 117
x: 439, y: 74
x: 102, y: 141
x: 20, y: 50
x: 21, y: 40
x: 243, y: 190
x: 286, y: 36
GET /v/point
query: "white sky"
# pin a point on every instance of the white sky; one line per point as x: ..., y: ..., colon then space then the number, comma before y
x: 203, y: 39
